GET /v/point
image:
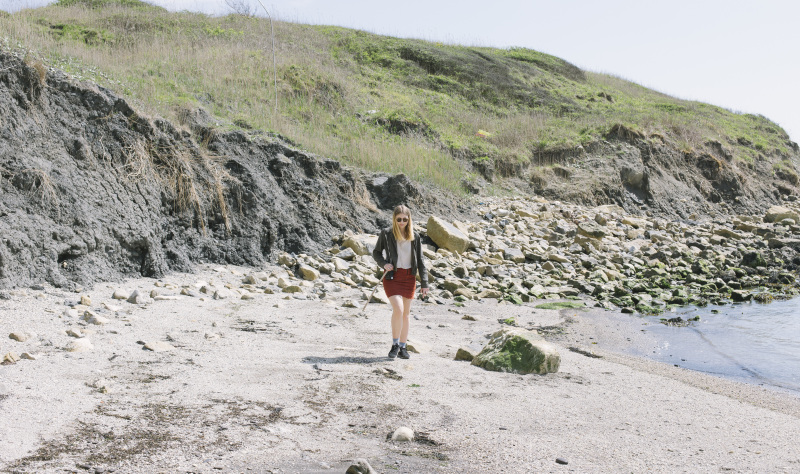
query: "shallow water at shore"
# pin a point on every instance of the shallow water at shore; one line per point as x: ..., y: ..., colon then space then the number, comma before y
x: 750, y: 342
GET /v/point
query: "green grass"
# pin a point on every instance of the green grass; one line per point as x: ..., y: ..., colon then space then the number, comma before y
x: 376, y: 102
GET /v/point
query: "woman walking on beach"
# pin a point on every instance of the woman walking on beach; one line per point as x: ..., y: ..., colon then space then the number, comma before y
x: 401, y: 263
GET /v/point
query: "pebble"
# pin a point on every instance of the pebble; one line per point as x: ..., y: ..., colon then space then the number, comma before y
x: 166, y: 298
x: 360, y: 466
x: 21, y: 336
x: 86, y: 301
x: 561, y: 461
x: 121, y: 295
x: 403, y: 433
x: 74, y: 333
x: 29, y: 356
x: 158, y: 346
x: 189, y: 292
x: 71, y: 313
x: 349, y: 304
x: 80, y: 345
x: 10, y: 358
x: 93, y: 318
x: 248, y: 296
x: 137, y: 297
x: 111, y: 307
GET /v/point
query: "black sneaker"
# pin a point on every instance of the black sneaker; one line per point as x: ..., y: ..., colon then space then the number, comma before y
x: 393, y: 352
x: 404, y: 352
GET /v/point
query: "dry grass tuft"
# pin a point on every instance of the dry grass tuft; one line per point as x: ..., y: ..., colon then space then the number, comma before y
x: 138, y: 161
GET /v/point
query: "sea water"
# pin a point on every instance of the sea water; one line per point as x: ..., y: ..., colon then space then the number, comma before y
x: 750, y: 342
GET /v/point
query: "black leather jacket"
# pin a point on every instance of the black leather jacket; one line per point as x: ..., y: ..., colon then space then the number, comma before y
x: 387, y: 242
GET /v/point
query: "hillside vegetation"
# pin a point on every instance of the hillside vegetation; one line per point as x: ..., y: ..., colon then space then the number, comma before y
x: 459, y: 117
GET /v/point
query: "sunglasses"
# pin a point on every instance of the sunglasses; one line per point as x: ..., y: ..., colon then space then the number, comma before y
x: 402, y: 219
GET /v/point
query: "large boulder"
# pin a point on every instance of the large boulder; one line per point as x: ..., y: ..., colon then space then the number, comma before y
x: 519, y: 351
x: 361, y: 244
x: 779, y: 213
x: 446, y: 235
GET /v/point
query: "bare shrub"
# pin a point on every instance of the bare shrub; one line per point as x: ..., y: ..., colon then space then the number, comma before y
x: 241, y: 7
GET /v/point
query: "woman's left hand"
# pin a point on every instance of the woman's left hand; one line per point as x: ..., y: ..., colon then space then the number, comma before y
x: 424, y: 292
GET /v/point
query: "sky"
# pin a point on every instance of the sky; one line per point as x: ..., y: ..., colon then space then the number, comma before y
x: 741, y: 55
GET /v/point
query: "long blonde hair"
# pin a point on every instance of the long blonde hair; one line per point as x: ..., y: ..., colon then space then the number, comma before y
x: 409, y: 232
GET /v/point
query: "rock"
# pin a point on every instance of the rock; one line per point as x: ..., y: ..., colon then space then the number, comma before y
x: 361, y: 244
x: 80, y: 345
x: 349, y: 304
x: 121, y: 295
x: 561, y: 461
x: 592, y: 230
x: 635, y: 222
x: 468, y: 317
x: 519, y: 351
x: 223, y: 294
x: 346, y: 254
x: 248, y: 296
x: 308, y: 273
x: 379, y: 297
x: 403, y: 434
x: 740, y: 295
x: 250, y: 280
x: 21, y: 336
x: 779, y: 213
x: 490, y: 293
x: 464, y: 353
x: 111, y: 307
x: 86, y: 301
x: 93, y: 318
x: 360, y: 466
x: 102, y: 385
x: 287, y: 260
x: 137, y: 297
x: 446, y: 235
x: 71, y: 313
x: 340, y: 265
x: 158, y: 346
x: 166, y: 298
x: 189, y: 292
x: 29, y: 356
x: 10, y: 358
x: 417, y: 347
x: 74, y: 333
x: 292, y: 289
x: 514, y: 254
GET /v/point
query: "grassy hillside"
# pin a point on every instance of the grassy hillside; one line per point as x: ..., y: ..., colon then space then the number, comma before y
x: 433, y: 111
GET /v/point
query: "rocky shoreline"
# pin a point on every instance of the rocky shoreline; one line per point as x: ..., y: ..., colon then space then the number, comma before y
x: 529, y: 249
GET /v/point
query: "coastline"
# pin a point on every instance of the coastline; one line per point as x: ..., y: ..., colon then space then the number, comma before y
x: 305, y: 387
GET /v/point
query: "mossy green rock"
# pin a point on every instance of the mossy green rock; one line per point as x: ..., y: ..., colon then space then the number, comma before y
x: 518, y: 351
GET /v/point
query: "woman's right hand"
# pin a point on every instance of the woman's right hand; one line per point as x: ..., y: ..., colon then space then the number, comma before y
x: 388, y: 267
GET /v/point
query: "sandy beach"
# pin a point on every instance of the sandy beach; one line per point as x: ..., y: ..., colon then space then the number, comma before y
x: 272, y: 385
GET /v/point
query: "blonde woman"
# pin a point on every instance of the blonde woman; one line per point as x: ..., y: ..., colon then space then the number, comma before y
x: 399, y: 252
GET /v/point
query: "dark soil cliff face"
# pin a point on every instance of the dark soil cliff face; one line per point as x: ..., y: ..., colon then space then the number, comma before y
x: 92, y: 191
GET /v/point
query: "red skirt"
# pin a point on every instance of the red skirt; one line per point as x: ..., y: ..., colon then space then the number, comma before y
x: 404, y: 284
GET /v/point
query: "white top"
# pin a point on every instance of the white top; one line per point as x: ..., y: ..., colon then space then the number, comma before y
x: 404, y: 254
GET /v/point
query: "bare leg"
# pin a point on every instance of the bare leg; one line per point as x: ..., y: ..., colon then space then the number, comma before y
x: 406, y: 319
x: 397, y: 315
